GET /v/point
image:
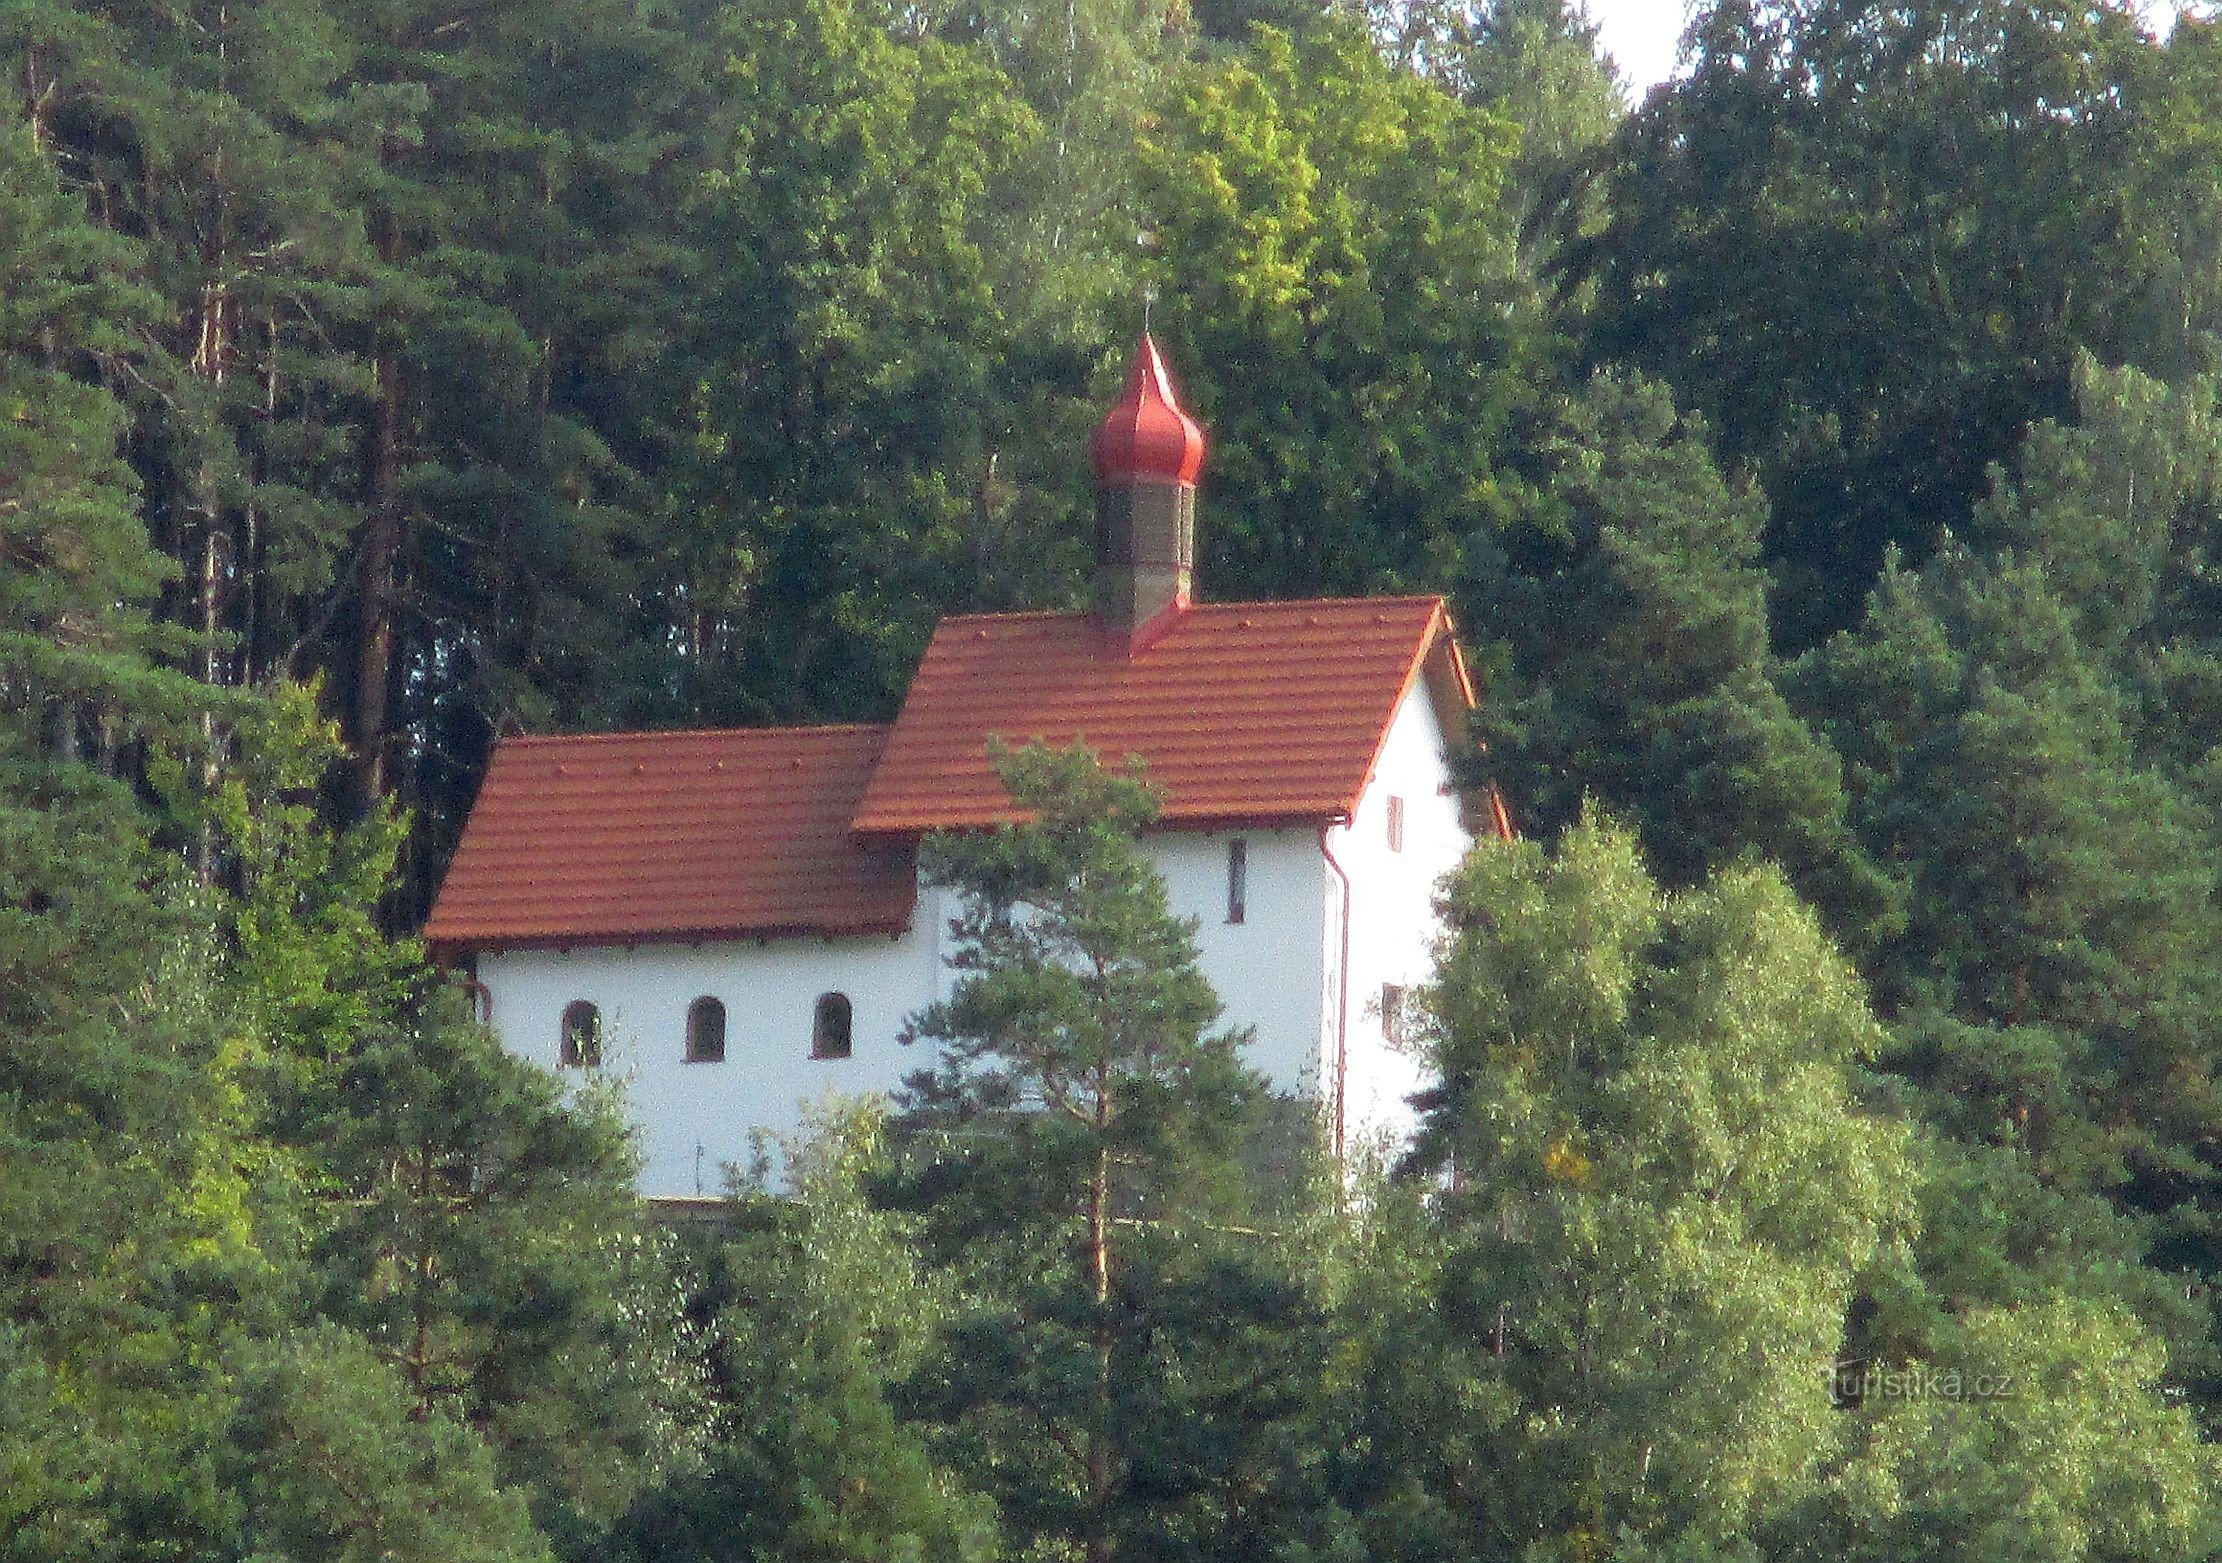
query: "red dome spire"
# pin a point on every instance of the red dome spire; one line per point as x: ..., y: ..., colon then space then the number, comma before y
x: 1145, y: 434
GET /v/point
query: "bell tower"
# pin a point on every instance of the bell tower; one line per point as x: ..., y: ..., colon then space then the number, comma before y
x: 1147, y: 454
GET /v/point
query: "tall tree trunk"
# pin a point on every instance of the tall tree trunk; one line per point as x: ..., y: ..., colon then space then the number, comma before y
x: 373, y: 651
x: 209, y: 361
x: 374, y: 634
x: 1099, y: 1277
x: 258, y: 650
x: 38, y: 96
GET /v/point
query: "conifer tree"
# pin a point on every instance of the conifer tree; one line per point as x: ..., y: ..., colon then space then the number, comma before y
x: 1632, y: 603
x: 2025, y: 747
x: 485, y: 1239
x: 165, y: 1387
x: 1134, y: 1349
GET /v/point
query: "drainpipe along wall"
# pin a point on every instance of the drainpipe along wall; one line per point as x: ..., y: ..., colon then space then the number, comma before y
x: 1342, y: 994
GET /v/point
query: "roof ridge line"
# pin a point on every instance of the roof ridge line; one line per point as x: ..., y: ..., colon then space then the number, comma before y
x: 1400, y: 599
x: 694, y: 732
x: 1292, y: 604
x: 1018, y: 613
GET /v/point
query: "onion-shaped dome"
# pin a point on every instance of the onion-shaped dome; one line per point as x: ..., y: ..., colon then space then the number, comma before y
x: 1146, y: 435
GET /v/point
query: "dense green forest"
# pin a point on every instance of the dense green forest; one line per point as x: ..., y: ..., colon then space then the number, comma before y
x: 1824, y: 457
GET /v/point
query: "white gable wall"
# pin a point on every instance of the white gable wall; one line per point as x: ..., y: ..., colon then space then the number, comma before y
x: 1394, y: 924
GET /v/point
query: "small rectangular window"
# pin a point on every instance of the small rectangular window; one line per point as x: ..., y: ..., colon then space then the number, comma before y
x: 1396, y: 824
x: 1392, y: 1011
x: 1238, y: 880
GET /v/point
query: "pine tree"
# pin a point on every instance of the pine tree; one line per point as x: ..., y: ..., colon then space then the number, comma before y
x: 1134, y: 1349
x: 2025, y: 744
x: 484, y: 1237
x: 2053, y: 884
x: 165, y: 1388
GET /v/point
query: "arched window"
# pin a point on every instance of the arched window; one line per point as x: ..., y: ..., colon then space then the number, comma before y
x: 582, y: 1035
x: 706, y: 1031
x: 829, y: 1032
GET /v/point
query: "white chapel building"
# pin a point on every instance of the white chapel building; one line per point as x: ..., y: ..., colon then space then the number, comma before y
x: 733, y: 920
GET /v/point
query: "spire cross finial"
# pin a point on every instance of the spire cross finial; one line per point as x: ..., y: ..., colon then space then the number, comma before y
x: 1149, y: 297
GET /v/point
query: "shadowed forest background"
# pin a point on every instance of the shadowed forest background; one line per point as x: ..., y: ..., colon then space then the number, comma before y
x: 1824, y: 459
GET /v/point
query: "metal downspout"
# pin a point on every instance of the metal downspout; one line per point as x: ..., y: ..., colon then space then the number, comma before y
x: 1342, y: 1001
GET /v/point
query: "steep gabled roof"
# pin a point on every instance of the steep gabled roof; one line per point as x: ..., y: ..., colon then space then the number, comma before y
x: 672, y: 835
x: 1245, y: 712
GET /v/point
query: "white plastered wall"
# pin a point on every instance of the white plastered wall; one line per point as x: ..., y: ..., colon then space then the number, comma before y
x: 1394, y: 924
x: 1274, y: 971
x: 1269, y: 969
x: 695, y: 1118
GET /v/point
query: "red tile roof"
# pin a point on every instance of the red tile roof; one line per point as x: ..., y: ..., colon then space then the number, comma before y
x: 1245, y: 712
x: 672, y: 835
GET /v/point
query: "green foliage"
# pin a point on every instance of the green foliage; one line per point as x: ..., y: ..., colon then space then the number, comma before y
x: 2053, y: 875
x: 395, y: 374
x: 2001, y: 1388
x: 1342, y: 298
x: 2034, y: 1432
x: 347, y: 1466
x: 188, y: 961
x: 1633, y: 603
x: 306, y: 974
x: 1866, y: 242
x: 1079, y: 991
x: 1061, y: 244
x: 386, y: 267
x: 2175, y: 208
x: 1537, y: 63
x: 1133, y: 1349
x: 1666, y: 1189
x: 483, y: 1235
x: 842, y: 381
x: 824, y: 1309
x: 2026, y: 756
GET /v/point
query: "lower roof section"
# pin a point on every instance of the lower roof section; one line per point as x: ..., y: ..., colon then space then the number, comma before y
x: 629, y: 837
